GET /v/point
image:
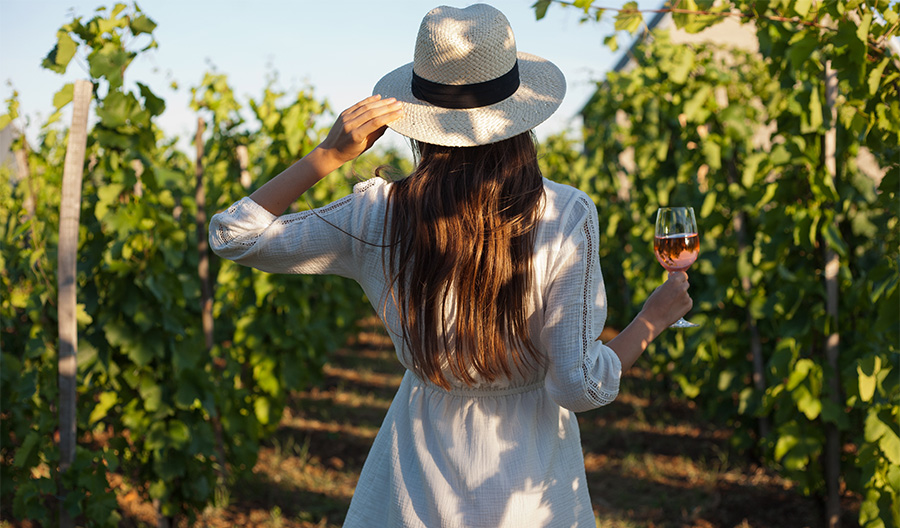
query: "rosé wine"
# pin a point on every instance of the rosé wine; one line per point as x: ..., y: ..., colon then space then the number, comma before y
x: 677, y: 252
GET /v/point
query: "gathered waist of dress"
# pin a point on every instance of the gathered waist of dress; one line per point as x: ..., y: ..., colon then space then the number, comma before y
x: 474, y: 392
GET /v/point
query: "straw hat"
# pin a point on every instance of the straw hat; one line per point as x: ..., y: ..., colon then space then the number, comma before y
x: 467, y: 84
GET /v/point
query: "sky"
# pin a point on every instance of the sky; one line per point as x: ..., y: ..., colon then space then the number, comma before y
x: 338, y: 47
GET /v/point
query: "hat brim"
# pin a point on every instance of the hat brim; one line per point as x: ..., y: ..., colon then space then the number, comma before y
x: 542, y: 87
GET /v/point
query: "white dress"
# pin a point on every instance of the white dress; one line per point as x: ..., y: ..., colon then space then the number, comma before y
x: 506, y: 454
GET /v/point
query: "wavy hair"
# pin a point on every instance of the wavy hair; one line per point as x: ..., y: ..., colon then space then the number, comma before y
x: 462, y: 231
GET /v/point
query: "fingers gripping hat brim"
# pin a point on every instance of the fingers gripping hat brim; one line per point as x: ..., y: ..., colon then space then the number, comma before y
x: 542, y: 87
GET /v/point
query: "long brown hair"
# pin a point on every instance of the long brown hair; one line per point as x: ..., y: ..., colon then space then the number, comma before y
x: 464, y: 223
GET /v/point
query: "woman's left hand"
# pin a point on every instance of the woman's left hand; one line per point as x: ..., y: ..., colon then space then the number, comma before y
x: 358, y: 127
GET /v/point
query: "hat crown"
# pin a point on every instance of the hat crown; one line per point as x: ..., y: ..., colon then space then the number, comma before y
x: 464, y: 46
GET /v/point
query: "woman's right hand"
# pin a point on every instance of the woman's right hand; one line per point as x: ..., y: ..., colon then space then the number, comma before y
x: 664, y: 306
x: 355, y: 130
x: 358, y: 127
x: 670, y: 301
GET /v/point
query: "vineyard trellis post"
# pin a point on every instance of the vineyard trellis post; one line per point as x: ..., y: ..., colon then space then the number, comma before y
x: 69, y: 217
x: 138, y: 167
x: 206, y: 301
x: 243, y: 156
x: 832, y: 267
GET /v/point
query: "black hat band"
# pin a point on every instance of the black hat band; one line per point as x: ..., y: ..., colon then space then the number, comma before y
x: 460, y: 96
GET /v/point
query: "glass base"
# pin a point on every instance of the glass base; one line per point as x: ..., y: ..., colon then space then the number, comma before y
x: 683, y: 323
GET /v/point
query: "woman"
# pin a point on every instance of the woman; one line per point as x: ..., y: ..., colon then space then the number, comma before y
x: 485, y: 274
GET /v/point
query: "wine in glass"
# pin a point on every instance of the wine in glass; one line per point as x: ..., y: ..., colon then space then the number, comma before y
x: 676, y: 243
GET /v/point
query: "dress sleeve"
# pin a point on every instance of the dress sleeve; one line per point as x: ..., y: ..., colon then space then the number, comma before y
x: 583, y: 373
x: 318, y: 241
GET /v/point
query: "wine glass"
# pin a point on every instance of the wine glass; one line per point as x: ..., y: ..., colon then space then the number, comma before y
x: 676, y: 243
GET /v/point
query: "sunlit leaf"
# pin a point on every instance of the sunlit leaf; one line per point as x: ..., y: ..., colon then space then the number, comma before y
x: 801, y: 7
x: 875, y: 76
x: 106, y: 402
x: 611, y: 42
x: 64, y: 96
x: 629, y: 18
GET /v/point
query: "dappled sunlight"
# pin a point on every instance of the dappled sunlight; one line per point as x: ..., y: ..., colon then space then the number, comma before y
x: 312, y: 425
x: 373, y: 379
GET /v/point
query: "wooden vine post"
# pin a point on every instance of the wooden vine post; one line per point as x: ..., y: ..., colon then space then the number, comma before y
x: 203, y: 241
x: 243, y: 157
x: 832, y: 267
x: 69, y: 217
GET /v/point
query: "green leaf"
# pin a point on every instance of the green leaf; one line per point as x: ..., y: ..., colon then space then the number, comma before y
x: 681, y: 65
x: 835, y: 241
x: 109, y: 62
x: 868, y: 368
x: 611, y: 42
x: 702, y: 14
x: 81, y: 316
x: 875, y: 76
x: 713, y: 153
x: 64, y: 96
x: 891, y: 17
x: 725, y: 379
x: 874, y: 428
x: 833, y: 413
x: 890, y: 445
x: 140, y: 352
x: 801, y: 47
x: 801, y: 7
x: 152, y: 103
x: 801, y: 370
x: 27, y: 453
x: 629, y: 18
x: 540, y: 8
x: 883, y: 281
x: 112, y: 461
x: 751, y: 168
x: 143, y: 24
x: 893, y: 477
x: 179, y: 433
x: 862, y: 31
x: 151, y: 393
x: 158, y: 490
x: 807, y: 402
x: 107, y: 401
x: 261, y: 407
x: 812, y: 120
x: 107, y: 196
x: 694, y: 109
x: 787, y: 439
x: 186, y: 394
x: 58, y: 58
x: 709, y: 204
